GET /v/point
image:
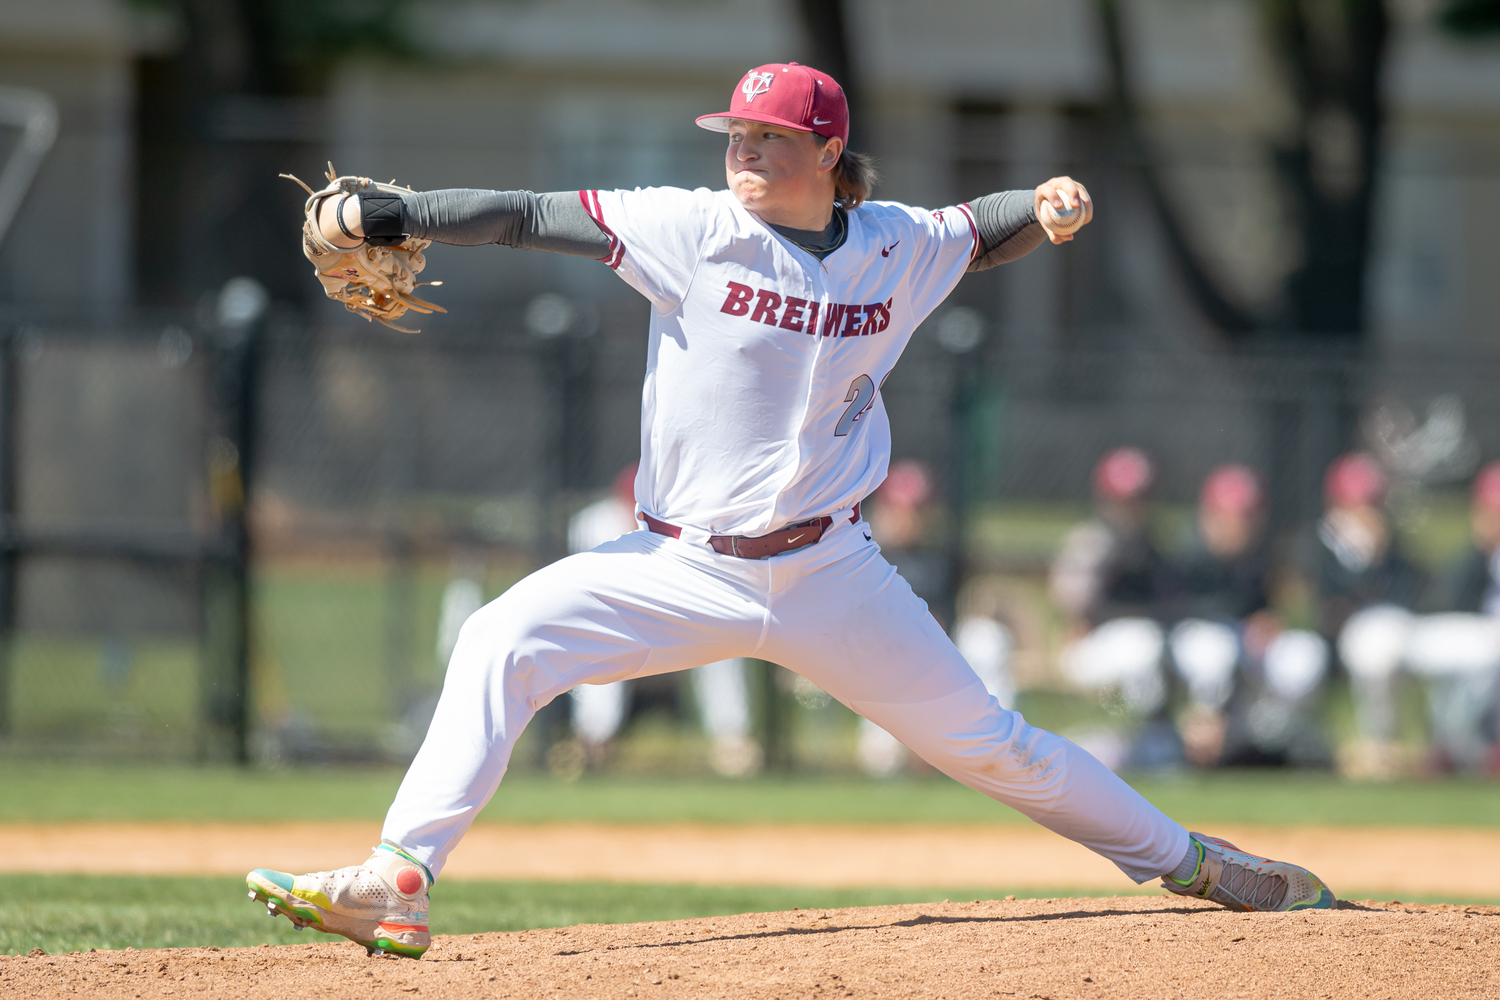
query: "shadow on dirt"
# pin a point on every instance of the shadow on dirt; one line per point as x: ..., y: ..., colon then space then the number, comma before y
x: 917, y: 921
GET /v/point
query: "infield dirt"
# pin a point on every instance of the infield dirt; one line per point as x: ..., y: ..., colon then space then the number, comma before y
x: 1058, y: 949
x: 1353, y: 860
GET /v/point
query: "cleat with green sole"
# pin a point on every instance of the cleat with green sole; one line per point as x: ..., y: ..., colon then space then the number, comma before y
x: 381, y: 904
x: 1243, y: 881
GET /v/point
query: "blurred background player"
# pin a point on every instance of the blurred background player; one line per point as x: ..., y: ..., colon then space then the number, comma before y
x: 1252, y: 685
x: 1111, y: 581
x: 1223, y: 604
x: 1455, y: 648
x: 598, y: 711
x: 1223, y: 574
x: 1108, y: 566
x: 1366, y: 590
x: 462, y: 596
x: 1358, y: 565
x: 900, y: 516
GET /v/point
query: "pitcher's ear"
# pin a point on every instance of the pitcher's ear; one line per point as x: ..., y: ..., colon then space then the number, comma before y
x: 832, y: 150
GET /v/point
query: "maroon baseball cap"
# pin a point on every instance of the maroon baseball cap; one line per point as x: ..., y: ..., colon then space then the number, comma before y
x: 1355, y: 480
x: 1123, y: 474
x: 1232, y: 489
x: 1487, y: 486
x: 790, y: 95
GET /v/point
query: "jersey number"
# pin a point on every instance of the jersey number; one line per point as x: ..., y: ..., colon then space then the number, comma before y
x: 861, y: 395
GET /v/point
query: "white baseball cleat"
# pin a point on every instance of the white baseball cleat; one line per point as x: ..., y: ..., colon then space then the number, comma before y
x: 1241, y: 881
x: 381, y: 904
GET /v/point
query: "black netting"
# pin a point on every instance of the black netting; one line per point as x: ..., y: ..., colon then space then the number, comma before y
x: 150, y: 611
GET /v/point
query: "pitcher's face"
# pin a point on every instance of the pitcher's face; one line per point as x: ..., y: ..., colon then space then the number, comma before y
x: 771, y: 168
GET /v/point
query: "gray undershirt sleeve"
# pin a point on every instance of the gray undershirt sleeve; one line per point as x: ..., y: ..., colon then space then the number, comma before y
x: 1007, y: 226
x: 555, y: 222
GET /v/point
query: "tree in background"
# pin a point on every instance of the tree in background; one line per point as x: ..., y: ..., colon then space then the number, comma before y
x: 234, y: 104
x: 247, y: 63
x: 1329, y: 55
x: 1473, y: 18
x: 826, y: 25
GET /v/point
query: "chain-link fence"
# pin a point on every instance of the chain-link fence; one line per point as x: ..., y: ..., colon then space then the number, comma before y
x: 150, y: 610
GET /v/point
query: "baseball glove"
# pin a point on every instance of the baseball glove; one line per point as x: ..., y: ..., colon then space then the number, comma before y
x: 375, y: 279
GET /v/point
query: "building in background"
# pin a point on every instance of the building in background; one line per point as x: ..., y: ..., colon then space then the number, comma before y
x: 153, y: 196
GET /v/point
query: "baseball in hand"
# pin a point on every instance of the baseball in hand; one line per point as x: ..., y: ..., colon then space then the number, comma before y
x: 1062, y: 221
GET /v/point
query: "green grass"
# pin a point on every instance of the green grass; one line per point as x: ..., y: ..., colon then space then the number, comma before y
x: 35, y: 792
x: 134, y: 695
x: 339, y: 656
x: 321, y: 659
x: 62, y: 913
x: 341, y: 653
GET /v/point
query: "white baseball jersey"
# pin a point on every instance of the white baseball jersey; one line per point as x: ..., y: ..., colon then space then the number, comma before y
x: 761, y: 406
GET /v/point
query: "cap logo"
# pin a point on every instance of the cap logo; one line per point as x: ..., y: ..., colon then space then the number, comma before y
x: 755, y: 84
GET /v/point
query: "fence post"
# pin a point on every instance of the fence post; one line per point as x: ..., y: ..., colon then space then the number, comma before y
x: 246, y: 426
x: 9, y: 383
x: 964, y: 384
x: 240, y: 337
x: 775, y: 724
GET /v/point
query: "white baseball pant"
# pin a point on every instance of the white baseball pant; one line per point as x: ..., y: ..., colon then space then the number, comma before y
x: 835, y: 612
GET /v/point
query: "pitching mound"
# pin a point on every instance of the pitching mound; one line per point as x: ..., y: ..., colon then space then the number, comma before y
x: 1060, y: 948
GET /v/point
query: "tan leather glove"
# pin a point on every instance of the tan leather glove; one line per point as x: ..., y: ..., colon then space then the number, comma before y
x: 376, y: 282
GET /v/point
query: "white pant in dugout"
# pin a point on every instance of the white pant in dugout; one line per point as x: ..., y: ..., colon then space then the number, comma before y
x: 835, y: 612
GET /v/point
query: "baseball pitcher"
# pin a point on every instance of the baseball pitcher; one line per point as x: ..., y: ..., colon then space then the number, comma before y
x: 780, y: 305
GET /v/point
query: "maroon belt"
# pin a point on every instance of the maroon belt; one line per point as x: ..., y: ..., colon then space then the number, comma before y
x: 761, y: 546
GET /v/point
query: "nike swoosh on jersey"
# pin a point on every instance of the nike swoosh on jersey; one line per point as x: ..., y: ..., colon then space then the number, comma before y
x: 886, y: 251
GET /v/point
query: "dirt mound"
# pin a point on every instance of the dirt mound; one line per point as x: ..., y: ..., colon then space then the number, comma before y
x: 1058, y: 948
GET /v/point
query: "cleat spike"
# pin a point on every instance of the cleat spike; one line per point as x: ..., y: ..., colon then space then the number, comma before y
x: 321, y: 900
x: 252, y: 893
